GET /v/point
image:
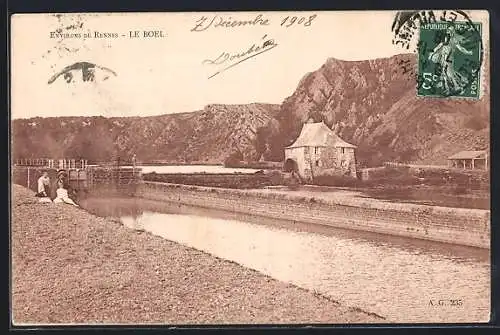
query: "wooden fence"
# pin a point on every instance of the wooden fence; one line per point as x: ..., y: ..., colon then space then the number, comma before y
x: 65, y: 163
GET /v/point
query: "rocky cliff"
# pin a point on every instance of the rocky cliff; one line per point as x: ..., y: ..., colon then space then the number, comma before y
x: 373, y: 104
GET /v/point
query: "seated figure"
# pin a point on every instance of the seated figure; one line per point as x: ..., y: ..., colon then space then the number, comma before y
x: 62, y: 195
x: 43, y: 185
x: 43, y: 188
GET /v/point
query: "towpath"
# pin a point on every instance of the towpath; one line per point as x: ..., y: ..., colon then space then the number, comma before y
x: 69, y: 267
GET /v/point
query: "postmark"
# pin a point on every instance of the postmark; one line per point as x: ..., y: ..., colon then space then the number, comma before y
x: 87, y: 69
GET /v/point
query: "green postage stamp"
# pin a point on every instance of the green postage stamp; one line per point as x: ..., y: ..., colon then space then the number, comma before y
x: 449, y: 59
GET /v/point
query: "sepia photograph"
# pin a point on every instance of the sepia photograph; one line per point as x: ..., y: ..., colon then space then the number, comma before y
x: 222, y: 168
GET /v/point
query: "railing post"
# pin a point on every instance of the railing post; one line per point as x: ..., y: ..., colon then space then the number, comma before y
x: 118, y: 171
x: 133, y: 166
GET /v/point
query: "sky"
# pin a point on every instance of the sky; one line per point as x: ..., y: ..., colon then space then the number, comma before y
x: 166, y: 75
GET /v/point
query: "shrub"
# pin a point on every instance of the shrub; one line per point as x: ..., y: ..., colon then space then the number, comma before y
x: 477, y: 123
x: 392, y: 176
x: 336, y: 180
x: 275, y: 177
x: 460, y: 189
x: 234, y: 159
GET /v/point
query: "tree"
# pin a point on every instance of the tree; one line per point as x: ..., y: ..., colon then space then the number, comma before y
x: 233, y: 159
x: 261, y: 140
x: 316, y: 116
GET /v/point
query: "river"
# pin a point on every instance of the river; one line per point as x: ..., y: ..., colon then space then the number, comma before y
x: 402, y: 280
x: 192, y: 169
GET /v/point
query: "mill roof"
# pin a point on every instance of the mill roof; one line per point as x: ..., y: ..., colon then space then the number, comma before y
x: 469, y: 154
x: 319, y: 135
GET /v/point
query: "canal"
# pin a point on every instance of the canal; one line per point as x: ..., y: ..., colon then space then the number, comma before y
x: 402, y: 280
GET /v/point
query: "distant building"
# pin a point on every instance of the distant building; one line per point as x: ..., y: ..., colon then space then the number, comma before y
x: 318, y: 150
x: 469, y: 160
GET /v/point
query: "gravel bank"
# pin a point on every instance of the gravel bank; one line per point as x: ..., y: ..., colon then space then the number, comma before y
x: 69, y: 266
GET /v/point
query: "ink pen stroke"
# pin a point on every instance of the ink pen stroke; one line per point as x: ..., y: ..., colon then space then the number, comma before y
x: 231, y: 60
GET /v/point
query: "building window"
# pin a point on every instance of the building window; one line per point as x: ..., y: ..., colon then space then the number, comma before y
x: 316, y: 150
x: 317, y: 163
x: 342, y: 150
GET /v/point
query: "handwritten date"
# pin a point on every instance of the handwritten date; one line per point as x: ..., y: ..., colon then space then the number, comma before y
x: 221, y: 21
x: 291, y: 20
x: 228, y: 22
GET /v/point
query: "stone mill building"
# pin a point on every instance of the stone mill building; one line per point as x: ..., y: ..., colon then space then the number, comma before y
x: 319, y: 151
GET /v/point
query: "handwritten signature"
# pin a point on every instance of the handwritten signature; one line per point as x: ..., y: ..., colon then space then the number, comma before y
x: 233, y: 59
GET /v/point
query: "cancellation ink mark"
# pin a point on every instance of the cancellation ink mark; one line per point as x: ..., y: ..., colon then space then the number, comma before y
x: 88, y: 72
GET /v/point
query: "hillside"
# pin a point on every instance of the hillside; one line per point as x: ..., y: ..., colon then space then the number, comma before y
x: 372, y: 104
x: 208, y: 135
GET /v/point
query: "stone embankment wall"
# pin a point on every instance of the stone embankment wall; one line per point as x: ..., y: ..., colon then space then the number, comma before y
x: 470, y: 227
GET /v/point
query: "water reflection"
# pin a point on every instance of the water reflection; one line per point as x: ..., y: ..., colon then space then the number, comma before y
x: 192, y: 169
x: 395, y: 278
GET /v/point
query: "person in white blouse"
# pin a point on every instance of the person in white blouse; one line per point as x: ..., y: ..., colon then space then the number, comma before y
x: 43, y: 185
x: 62, y: 195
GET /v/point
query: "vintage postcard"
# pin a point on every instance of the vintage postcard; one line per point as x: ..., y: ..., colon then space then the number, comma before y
x: 304, y: 167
